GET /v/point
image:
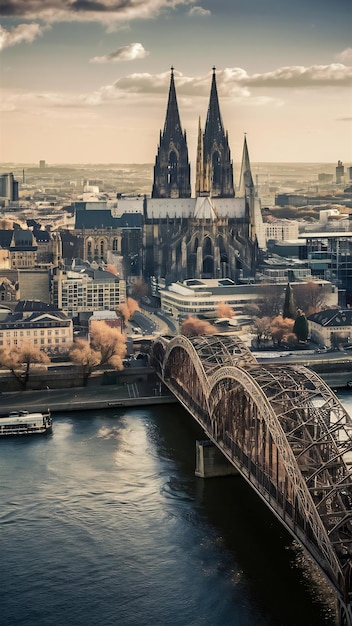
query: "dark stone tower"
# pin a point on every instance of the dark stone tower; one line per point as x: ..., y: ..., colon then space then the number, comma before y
x: 247, y: 189
x: 216, y: 177
x: 172, y: 175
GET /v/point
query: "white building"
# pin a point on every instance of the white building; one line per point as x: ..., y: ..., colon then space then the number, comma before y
x: 199, y: 296
x: 281, y: 230
x: 88, y: 290
x: 331, y: 326
x: 47, y: 328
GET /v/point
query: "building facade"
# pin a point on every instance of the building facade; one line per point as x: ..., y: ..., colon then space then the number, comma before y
x: 87, y: 291
x: 36, y: 324
x: 331, y: 327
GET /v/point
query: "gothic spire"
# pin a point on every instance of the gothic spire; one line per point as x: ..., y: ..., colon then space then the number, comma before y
x: 172, y: 126
x: 246, y: 179
x: 214, y: 127
x: 217, y: 168
x: 172, y: 176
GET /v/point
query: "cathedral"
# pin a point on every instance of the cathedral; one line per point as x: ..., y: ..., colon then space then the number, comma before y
x: 210, y: 234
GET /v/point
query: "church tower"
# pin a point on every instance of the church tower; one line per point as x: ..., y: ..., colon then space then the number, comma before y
x: 215, y: 172
x: 172, y: 175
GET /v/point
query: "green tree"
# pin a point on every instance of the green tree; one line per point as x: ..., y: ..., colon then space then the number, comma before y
x: 300, y: 327
x: 289, y: 303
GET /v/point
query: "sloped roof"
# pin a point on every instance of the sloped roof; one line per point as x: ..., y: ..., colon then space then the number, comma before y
x: 35, y: 305
x: 41, y: 235
x: 102, y: 218
x: 332, y: 317
x: 204, y: 209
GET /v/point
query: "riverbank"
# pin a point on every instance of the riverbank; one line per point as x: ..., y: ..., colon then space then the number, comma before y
x: 87, y: 398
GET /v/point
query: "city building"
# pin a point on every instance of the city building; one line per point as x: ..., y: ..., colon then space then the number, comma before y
x: 202, y: 296
x: 331, y: 327
x: 340, y: 173
x: 329, y: 255
x: 29, y: 248
x: 281, y: 230
x: 111, y: 318
x: 8, y: 188
x: 38, y: 324
x: 87, y: 290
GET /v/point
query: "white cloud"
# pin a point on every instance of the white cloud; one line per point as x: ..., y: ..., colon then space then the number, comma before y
x: 298, y: 76
x: 23, y: 33
x: 126, y: 53
x: 345, y: 56
x: 105, y: 11
x: 199, y: 11
x: 234, y: 84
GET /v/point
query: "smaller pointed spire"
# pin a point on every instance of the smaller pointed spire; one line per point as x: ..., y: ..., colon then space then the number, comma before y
x: 246, y: 179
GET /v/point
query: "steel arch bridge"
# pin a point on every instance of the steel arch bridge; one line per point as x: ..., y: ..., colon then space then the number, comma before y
x: 285, y: 432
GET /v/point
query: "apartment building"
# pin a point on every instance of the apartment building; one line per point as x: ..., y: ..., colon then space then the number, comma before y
x: 87, y: 290
x: 38, y: 324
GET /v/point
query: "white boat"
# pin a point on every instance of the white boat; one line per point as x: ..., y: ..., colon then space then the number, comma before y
x: 25, y: 423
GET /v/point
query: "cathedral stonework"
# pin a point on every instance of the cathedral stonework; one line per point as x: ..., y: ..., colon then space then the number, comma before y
x: 171, y: 235
x: 213, y: 234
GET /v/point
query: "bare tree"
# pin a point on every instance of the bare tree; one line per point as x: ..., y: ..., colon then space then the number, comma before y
x: 270, y: 300
x: 112, y: 269
x: 20, y: 359
x: 225, y: 310
x: 109, y: 342
x: 128, y: 308
x: 281, y: 328
x: 310, y: 297
x: 81, y: 353
x: 139, y: 290
x: 262, y: 327
x: 193, y: 326
x: 252, y: 308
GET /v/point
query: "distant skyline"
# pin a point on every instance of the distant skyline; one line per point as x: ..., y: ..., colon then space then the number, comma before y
x: 86, y: 81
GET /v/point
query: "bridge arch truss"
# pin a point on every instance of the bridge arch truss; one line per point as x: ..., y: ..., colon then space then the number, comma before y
x: 284, y: 430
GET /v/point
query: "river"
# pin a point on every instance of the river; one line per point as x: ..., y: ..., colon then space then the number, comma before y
x: 103, y: 523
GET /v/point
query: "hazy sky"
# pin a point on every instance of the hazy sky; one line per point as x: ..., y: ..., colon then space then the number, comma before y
x: 86, y: 81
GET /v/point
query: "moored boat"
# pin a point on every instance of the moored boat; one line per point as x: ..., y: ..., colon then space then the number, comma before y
x: 25, y: 423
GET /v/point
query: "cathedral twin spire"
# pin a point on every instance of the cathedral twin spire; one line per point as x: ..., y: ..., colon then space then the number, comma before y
x: 172, y: 173
x: 214, y: 169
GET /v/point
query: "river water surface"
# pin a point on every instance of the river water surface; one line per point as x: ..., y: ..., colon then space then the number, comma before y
x: 104, y: 523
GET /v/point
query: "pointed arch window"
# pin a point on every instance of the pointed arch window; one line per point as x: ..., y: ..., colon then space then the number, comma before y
x: 172, y: 169
x: 207, y: 247
x: 216, y: 168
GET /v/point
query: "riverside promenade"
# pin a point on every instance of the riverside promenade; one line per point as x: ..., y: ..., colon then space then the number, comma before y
x: 94, y: 396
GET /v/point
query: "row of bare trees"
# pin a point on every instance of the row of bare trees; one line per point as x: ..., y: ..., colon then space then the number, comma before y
x: 106, y: 346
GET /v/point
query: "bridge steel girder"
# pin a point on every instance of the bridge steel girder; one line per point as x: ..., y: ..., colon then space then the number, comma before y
x: 284, y: 431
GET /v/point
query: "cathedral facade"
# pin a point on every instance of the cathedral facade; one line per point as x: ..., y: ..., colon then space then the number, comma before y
x: 211, y: 235
x: 177, y: 236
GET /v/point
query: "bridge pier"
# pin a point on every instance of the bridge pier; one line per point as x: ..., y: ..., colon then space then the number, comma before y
x: 210, y: 462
